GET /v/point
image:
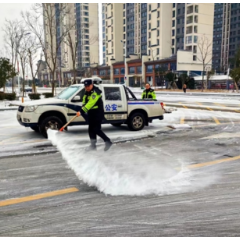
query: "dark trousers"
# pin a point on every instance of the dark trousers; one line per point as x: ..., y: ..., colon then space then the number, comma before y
x: 184, y: 90
x: 94, y: 128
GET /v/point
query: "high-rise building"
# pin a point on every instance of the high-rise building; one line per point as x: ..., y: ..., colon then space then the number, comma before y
x: 157, y: 30
x: 87, y: 33
x: 82, y: 20
x: 226, y: 34
x: 112, y: 32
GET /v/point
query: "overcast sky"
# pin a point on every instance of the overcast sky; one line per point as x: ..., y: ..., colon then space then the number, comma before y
x: 12, y: 11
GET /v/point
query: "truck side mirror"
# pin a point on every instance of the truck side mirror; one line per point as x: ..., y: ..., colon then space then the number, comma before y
x: 76, y: 99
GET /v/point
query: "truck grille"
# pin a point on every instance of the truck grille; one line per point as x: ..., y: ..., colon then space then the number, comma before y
x: 20, y: 108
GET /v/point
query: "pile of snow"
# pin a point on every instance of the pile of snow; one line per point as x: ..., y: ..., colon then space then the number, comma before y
x: 180, y: 126
x: 126, y: 169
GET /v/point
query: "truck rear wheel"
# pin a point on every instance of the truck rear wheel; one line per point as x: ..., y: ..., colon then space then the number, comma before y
x: 136, y: 121
x: 53, y: 122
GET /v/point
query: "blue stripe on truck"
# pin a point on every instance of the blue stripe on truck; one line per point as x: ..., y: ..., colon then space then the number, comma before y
x: 141, y: 103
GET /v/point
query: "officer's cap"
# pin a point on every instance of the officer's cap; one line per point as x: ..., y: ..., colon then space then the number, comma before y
x: 88, y: 82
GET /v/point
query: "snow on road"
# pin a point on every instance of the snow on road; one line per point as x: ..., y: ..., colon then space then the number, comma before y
x: 129, y: 169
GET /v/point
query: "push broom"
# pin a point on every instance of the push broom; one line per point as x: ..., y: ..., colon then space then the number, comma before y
x: 62, y: 128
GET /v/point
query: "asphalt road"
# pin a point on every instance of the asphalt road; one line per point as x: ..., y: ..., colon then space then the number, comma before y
x: 186, y: 180
x: 203, y: 203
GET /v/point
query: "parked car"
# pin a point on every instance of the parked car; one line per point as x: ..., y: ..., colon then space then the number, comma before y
x: 26, y: 89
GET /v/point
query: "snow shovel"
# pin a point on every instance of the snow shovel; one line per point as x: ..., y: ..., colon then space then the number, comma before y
x: 62, y: 128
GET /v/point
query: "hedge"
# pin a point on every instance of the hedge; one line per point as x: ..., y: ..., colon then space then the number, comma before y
x: 47, y: 94
x: 2, y: 95
x: 34, y: 96
x: 7, y: 96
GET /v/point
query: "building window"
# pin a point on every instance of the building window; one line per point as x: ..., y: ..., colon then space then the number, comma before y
x: 157, y: 23
x: 173, y: 32
x: 173, y: 41
x: 157, y: 41
x: 179, y: 11
x: 85, y: 7
x: 149, y: 17
x: 85, y: 13
x: 174, y: 4
x: 173, y: 14
x: 149, y: 68
x: 116, y: 80
x: 123, y: 29
x: 139, y: 69
x: 194, y: 58
x: 172, y: 51
x: 149, y: 7
x: 116, y: 71
x: 158, y: 14
x: 149, y: 26
x: 102, y: 72
x: 195, y: 39
x: 131, y: 69
x: 157, y: 33
x: 157, y: 51
x: 123, y: 21
x: 122, y: 70
x: 178, y: 30
x: 158, y: 5
x: 149, y: 34
x: 124, y: 6
x: 86, y: 19
x: 173, y: 23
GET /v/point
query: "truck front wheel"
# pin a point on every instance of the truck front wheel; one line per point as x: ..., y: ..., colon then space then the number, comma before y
x: 136, y: 121
x: 36, y: 128
x: 54, y: 123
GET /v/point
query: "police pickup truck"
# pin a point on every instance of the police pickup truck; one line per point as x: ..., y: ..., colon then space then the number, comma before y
x: 120, y: 106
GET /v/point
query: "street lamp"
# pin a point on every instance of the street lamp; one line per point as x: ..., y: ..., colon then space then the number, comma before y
x: 125, y: 62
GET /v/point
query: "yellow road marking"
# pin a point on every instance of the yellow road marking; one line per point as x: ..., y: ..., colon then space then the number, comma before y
x: 199, y: 165
x: 199, y: 103
x: 36, y: 197
x: 237, y: 111
x: 183, y: 105
x: 209, y: 109
x: 182, y: 120
x: 219, y: 104
x: 216, y: 120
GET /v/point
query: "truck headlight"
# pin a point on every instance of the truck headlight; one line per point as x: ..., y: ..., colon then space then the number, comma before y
x: 30, y: 108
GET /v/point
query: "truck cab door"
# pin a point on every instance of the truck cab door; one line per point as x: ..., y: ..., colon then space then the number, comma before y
x: 72, y: 101
x: 114, y: 103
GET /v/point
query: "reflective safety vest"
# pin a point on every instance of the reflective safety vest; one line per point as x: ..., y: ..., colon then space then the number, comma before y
x: 150, y: 94
x: 92, y: 100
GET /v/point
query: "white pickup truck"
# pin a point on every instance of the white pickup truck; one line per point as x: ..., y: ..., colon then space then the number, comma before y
x: 120, y: 106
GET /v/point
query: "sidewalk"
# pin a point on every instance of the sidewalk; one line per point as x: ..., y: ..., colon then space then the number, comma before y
x: 6, y: 105
x: 189, y: 92
x: 197, y: 107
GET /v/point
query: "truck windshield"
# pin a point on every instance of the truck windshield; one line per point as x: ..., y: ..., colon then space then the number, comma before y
x: 68, y: 92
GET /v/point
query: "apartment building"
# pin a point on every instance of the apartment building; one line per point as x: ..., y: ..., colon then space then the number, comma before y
x: 198, y: 37
x: 112, y: 29
x: 84, y: 36
x: 158, y: 30
x: 226, y: 35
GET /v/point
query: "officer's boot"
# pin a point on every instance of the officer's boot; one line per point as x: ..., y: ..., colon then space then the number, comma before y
x: 108, y: 144
x: 93, y: 145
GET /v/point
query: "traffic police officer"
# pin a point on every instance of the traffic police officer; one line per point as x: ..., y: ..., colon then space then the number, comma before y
x: 93, y: 108
x: 148, y: 92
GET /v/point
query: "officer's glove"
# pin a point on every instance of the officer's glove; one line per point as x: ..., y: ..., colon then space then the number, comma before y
x: 78, y: 114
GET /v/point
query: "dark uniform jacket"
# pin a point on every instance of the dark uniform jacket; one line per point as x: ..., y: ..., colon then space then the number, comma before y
x: 92, y: 103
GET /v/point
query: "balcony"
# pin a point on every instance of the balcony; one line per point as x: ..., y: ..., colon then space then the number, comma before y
x: 195, y: 19
x: 189, y: 20
x: 190, y: 10
x: 189, y: 30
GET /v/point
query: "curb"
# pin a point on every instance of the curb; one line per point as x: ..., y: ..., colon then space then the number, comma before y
x: 202, y: 107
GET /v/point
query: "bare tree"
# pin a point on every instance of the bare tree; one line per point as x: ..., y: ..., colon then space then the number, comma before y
x: 205, y: 56
x: 14, y: 32
x: 47, y: 22
x: 32, y: 49
x: 23, y: 56
x: 74, y: 45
